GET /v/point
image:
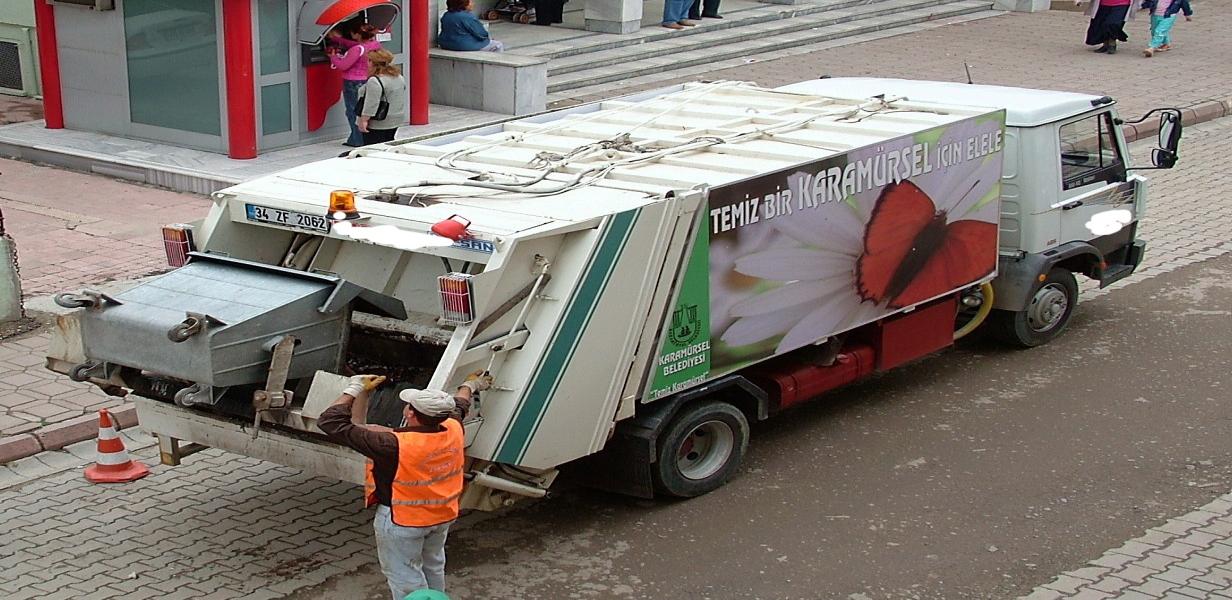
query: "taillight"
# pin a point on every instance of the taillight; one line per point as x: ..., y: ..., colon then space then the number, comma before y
x: 456, y: 307
x: 178, y: 242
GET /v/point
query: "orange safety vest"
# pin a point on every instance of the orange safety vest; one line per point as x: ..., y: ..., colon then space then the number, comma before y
x: 428, y: 480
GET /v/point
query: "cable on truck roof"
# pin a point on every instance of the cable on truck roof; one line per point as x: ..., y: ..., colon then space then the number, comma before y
x: 546, y: 162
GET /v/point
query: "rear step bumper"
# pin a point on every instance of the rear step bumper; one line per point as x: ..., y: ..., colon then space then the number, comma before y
x: 317, y: 457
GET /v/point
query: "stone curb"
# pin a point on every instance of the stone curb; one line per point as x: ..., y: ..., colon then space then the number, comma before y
x: 1200, y: 112
x: 54, y: 437
x: 59, y: 435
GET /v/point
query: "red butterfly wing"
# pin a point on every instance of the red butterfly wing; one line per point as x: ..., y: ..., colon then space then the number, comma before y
x: 967, y: 253
x: 902, y: 211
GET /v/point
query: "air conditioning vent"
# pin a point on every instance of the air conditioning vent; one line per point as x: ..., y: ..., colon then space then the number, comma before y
x: 95, y: 4
x: 10, y: 67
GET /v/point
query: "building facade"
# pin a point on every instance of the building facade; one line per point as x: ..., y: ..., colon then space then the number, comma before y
x: 232, y: 76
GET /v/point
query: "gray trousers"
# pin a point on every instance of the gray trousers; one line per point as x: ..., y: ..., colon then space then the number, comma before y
x: 412, y: 558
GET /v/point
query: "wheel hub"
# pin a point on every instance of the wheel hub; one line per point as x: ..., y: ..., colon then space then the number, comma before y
x: 1047, y: 308
x: 705, y: 450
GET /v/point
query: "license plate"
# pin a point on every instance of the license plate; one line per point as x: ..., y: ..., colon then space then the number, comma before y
x: 287, y: 218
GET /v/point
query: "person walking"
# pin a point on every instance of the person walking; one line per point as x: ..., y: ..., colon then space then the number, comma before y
x: 675, y: 13
x: 1107, y: 25
x: 1163, y: 17
x: 382, y: 99
x: 414, y: 474
x: 356, y: 41
x: 462, y: 31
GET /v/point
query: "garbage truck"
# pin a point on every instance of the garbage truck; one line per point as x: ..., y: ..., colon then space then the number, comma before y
x: 643, y: 276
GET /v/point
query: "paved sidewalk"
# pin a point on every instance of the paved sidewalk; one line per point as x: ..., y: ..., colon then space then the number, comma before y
x: 1184, y: 558
x: 15, y: 109
x: 220, y: 526
x: 1041, y: 50
x: 86, y: 229
x: 80, y: 232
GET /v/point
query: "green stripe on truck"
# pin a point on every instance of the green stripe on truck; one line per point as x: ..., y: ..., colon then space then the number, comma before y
x: 547, y: 377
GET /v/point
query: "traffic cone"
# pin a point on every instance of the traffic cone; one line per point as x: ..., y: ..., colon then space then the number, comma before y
x: 113, y: 464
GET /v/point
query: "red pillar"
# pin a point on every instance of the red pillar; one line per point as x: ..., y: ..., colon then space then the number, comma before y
x: 49, y: 63
x: 417, y: 56
x: 241, y: 86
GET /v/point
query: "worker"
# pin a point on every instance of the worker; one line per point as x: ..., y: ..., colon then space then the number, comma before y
x: 414, y: 474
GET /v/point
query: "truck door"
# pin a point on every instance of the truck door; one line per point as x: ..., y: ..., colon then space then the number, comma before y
x: 1093, y: 179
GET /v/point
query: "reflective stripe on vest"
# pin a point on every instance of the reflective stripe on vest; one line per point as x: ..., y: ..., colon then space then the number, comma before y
x: 428, y: 480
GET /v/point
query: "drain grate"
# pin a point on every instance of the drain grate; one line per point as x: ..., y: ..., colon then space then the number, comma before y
x: 10, y: 66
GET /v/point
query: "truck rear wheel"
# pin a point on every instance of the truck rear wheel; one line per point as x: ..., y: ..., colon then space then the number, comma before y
x: 701, y: 449
x: 1047, y: 313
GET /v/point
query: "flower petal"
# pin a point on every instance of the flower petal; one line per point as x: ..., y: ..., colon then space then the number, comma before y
x: 832, y: 226
x: 822, y: 322
x: 750, y: 330
x: 792, y: 264
x: 787, y: 296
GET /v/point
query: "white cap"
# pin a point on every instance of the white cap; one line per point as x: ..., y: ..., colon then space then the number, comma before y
x: 433, y: 403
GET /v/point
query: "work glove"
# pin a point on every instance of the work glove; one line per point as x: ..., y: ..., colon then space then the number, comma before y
x: 478, y: 381
x: 359, y: 384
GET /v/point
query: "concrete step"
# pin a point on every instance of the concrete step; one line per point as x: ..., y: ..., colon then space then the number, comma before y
x: 733, y: 18
x: 667, y: 58
x: 714, y: 37
x: 589, y: 93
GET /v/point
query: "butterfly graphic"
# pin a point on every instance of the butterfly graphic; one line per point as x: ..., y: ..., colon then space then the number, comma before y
x: 913, y: 253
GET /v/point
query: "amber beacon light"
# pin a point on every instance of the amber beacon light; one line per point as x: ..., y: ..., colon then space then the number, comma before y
x: 342, y: 206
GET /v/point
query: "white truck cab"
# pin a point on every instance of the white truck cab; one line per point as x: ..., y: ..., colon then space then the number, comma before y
x: 643, y: 276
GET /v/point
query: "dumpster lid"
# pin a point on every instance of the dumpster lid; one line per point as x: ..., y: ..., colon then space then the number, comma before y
x: 317, y: 17
x: 344, y: 293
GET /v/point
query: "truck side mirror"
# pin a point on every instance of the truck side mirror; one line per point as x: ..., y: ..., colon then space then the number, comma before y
x: 1165, y: 155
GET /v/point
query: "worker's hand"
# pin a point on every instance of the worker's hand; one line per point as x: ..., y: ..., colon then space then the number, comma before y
x: 478, y: 381
x: 362, y: 124
x: 359, y: 384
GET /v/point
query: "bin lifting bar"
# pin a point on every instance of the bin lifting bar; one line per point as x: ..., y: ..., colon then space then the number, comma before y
x: 274, y: 396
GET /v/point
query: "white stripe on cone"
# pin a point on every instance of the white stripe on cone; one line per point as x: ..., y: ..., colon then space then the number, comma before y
x: 107, y: 433
x: 112, y: 458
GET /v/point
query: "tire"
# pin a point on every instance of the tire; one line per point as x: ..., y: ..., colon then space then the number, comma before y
x: 1046, y: 316
x: 700, y: 449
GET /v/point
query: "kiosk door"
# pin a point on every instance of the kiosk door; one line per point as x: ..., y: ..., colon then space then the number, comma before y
x: 279, y: 114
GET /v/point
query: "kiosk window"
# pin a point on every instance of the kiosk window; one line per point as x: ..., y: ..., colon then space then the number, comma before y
x: 275, y: 32
x: 172, y: 53
x: 1089, y: 153
x: 275, y: 108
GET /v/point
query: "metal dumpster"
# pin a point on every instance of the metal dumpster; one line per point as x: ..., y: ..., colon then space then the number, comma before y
x: 215, y: 320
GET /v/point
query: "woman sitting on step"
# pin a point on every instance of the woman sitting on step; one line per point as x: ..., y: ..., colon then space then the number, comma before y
x: 460, y: 30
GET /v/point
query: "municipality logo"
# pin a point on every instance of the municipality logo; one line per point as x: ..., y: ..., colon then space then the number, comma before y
x: 685, y: 325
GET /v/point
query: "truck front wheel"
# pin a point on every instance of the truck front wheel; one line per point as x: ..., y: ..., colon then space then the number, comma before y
x: 1046, y: 315
x: 701, y: 449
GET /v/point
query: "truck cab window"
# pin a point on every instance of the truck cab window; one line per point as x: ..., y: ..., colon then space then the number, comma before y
x: 1089, y: 152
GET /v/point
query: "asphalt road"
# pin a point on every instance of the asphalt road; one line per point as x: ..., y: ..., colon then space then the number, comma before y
x: 977, y: 473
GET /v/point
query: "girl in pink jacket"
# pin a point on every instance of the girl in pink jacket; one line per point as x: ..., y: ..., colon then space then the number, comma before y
x: 356, y: 42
